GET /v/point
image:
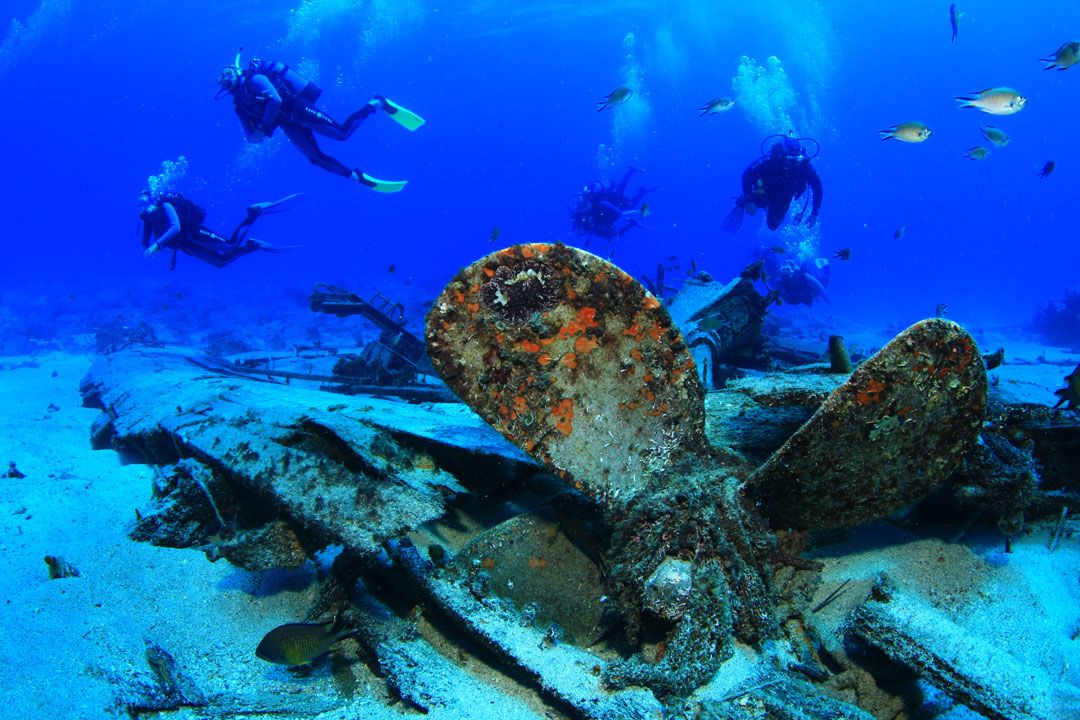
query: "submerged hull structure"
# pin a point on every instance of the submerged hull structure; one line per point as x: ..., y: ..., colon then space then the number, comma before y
x: 642, y: 550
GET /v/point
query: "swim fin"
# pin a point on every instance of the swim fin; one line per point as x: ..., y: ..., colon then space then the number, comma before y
x: 402, y: 116
x: 383, y: 186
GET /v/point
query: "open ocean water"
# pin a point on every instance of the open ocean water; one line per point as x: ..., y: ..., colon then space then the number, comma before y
x: 100, y: 94
x: 106, y: 100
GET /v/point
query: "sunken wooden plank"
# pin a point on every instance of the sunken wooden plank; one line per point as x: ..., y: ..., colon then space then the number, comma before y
x: 332, y: 463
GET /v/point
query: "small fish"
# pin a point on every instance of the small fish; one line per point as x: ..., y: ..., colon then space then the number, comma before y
x: 778, y: 249
x: 644, y: 210
x: 899, y: 232
x: 941, y: 310
x: 995, y: 136
x: 615, y: 97
x: 296, y: 644
x: 977, y: 153
x: 994, y: 101
x: 60, y: 568
x: 392, y: 268
x: 954, y: 20
x: 1047, y: 168
x: 843, y: 254
x: 1064, y: 57
x: 911, y: 132
x: 495, y: 233
x: 716, y: 106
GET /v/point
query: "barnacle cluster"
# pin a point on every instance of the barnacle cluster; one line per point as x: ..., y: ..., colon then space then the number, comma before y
x: 514, y: 292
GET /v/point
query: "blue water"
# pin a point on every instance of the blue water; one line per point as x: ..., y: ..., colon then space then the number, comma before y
x: 97, y: 95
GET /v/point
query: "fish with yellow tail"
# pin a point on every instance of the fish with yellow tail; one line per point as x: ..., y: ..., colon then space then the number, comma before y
x: 910, y: 132
x: 616, y: 97
x: 994, y: 101
x: 995, y: 136
x: 298, y: 644
x: 716, y: 106
x: 1064, y: 57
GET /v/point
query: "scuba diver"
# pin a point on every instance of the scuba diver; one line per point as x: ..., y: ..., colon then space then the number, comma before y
x: 174, y: 222
x: 791, y: 281
x: 600, y: 208
x: 269, y: 95
x: 776, y: 179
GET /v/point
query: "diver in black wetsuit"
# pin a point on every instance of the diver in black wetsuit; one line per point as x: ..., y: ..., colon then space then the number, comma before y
x: 268, y: 95
x: 774, y: 181
x: 172, y: 221
x: 599, y: 208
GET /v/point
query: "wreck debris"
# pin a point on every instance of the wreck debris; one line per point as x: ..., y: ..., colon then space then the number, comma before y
x: 722, y: 324
x: 1056, y: 537
x: 885, y: 438
x: 397, y: 358
x: 1070, y: 394
x: 839, y: 358
x: 540, y: 373
x: 163, y: 689
x: 981, y: 675
x: 316, y: 464
x: 690, y: 563
x: 184, y: 512
x: 486, y: 352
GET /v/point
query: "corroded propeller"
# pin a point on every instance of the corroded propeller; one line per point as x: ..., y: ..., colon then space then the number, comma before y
x: 572, y: 360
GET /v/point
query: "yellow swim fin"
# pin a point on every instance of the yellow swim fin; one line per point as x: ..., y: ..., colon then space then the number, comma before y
x: 383, y: 186
x: 402, y: 116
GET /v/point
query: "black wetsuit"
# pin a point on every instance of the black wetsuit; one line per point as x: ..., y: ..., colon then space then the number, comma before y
x: 776, y: 180
x: 272, y: 95
x: 600, y: 208
x: 175, y: 223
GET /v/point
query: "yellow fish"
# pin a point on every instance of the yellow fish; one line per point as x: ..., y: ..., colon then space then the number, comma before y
x: 302, y: 643
x: 995, y: 101
x: 716, y: 106
x: 995, y: 136
x: 615, y: 97
x: 1064, y: 57
x: 911, y: 132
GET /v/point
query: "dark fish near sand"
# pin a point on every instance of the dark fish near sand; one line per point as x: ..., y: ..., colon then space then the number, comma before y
x: 843, y: 254
x: 716, y: 106
x: 1047, y: 169
x: 954, y: 20
x: 615, y: 97
x: 296, y: 644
